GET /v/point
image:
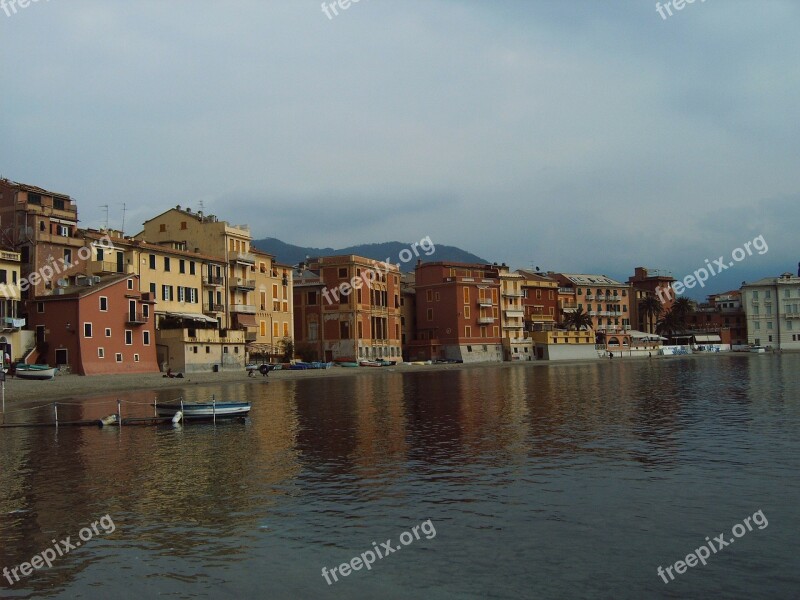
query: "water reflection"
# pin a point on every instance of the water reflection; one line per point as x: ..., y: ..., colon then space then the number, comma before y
x: 320, y: 458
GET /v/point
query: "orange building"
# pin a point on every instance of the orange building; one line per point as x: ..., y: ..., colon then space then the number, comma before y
x: 607, y: 301
x: 647, y: 283
x: 458, y: 312
x: 100, y: 325
x: 347, y: 308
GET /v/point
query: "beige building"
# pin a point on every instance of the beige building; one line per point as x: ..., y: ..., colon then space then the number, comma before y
x: 274, y: 306
x: 772, y: 310
x: 516, y: 344
x: 14, y: 341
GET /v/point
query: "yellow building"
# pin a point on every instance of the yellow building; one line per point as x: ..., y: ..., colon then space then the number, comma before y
x: 246, y: 288
x: 274, y: 310
x: 516, y: 344
x: 564, y: 345
x: 13, y: 340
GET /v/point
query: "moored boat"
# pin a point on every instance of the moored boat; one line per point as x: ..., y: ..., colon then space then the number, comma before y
x: 207, y: 410
x: 36, y: 372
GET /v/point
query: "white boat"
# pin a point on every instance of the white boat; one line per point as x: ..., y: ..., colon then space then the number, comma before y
x: 758, y: 349
x: 38, y: 372
x: 207, y: 410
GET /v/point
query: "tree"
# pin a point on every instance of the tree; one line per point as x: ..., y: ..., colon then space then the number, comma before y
x: 287, y: 346
x: 578, y: 320
x: 651, y: 308
x: 670, y: 323
x: 683, y: 308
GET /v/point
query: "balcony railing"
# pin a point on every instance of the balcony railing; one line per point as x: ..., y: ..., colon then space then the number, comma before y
x: 250, y: 336
x: 213, y: 307
x: 513, y: 294
x: 485, y: 302
x: 213, y: 280
x: 514, y: 313
x: 243, y: 308
x: 485, y: 320
x: 136, y: 318
x: 102, y: 267
x: 243, y: 284
x: 242, y: 257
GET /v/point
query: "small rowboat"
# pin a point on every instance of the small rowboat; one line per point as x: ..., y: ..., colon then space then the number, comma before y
x: 38, y: 372
x: 208, y: 410
x: 348, y: 364
x: 370, y: 363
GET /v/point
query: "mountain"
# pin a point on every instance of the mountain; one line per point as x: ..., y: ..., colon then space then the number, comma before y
x: 291, y: 255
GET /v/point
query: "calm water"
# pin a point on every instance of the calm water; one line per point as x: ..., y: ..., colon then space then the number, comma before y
x: 572, y: 481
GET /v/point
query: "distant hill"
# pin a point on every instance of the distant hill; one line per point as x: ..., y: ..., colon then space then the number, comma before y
x: 292, y: 255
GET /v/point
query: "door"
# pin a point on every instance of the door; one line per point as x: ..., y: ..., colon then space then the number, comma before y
x: 120, y: 262
x: 131, y: 309
x: 62, y: 356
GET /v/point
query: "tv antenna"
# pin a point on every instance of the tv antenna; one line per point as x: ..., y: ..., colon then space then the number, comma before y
x: 122, y: 231
x: 105, y: 207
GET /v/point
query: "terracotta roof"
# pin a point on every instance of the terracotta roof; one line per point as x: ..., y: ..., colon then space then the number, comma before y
x: 79, y: 291
x: 36, y: 189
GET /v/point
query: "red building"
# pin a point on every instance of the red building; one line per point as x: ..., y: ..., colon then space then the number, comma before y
x: 458, y: 312
x: 647, y: 283
x: 97, y: 326
x: 721, y: 320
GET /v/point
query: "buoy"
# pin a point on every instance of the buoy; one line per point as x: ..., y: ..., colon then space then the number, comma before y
x: 177, y: 418
x: 109, y: 420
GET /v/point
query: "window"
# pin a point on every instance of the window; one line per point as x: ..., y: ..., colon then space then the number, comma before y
x: 87, y: 330
x: 40, y: 307
x: 430, y: 314
x: 275, y: 330
x: 224, y: 349
x: 468, y: 332
x: 538, y: 294
x: 145, y: 310
x: 466, y: 295
x: 343, y: 273
x: 103, y: 303
x: 101, y: 353
x: 469, y: 348
x: 108, y: 332
x: 166, y: 264
x: 755, y: 295
x: 285, y: 329
x: 208, y: 349
x: 311, y: 298
x: 181, y: 266
x: 146, y: 338
x: 769, y: 324
x: 128, y: 337
x: 153, y: 289
x: 437, y: 298
x: 3, y: 276
x: 135, y: 358
x: 344, y: 330
x: 152, y: 261
x: 429, y: 296
x: 118, y: 357
x: 184, y: 225
x: 191, y: 267
x: 466, y: 312
x: 180, y: 294
x: 767, y: 293
x: 67, y: 256
x: 166, y: 293
x: 130, y: 284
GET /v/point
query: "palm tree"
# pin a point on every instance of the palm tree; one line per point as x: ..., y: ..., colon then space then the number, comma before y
x: 670, y: 323
x: 683, y: 307
x: 651, y: 308
x: 578, y: 320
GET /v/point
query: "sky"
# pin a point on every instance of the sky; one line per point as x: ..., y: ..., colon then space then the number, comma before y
x: 576, y: 136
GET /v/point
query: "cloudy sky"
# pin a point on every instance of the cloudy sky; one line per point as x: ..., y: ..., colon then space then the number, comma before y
x: 571, y: 135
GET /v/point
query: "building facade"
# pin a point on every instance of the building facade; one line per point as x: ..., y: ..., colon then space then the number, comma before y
x: 97, y: 326
x: 649, y: 283
x: 772, y: 309
x: 607, y: 301
x: 13, y: 340
x: 458, y: 312
x: 347, y: 308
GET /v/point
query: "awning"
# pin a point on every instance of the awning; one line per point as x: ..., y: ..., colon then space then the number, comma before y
x: 705, y: 339
x: 192, y: 317
x: 637, y: 335
x: 246, y: 320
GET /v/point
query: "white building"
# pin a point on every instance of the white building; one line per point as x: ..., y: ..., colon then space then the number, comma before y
x: 772, y: 309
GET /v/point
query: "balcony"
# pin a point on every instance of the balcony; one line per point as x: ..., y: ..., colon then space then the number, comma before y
x: 485, y: 302
x: 13, y: 322
x: 213, y: 307
x: 250, y: 336
x: 514, y: 313
x: 106, y: 267
x: 485, y: 320
x: 136, y: 318
x: 243, y: 308
x: 592, y: 313
x: 513, y: 294
x: 211, y: 281
x: 590, y: 296
x: 513, y: 327
x: 243, y: 284
x: 244, y: 258
x: 540, y: 318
